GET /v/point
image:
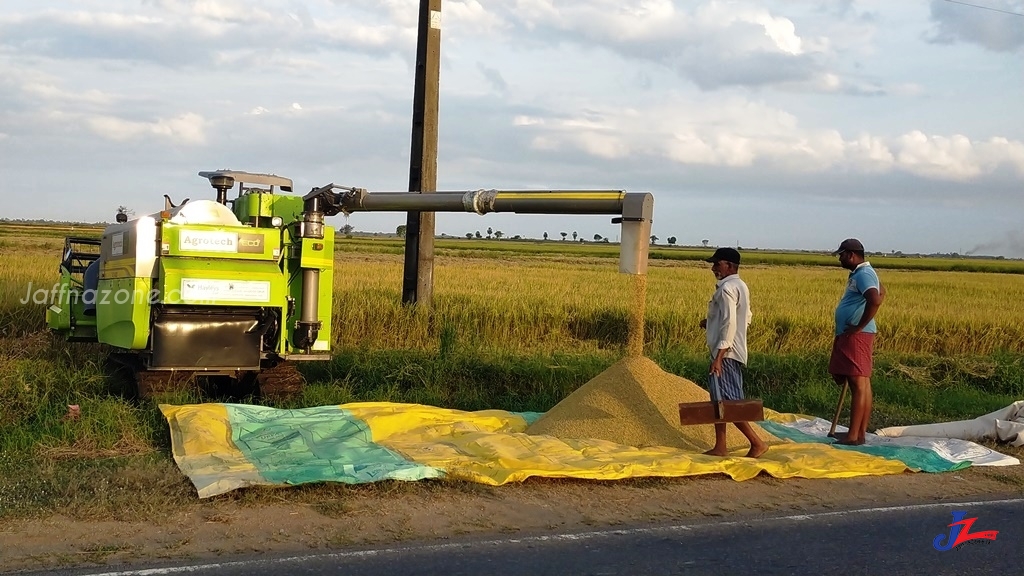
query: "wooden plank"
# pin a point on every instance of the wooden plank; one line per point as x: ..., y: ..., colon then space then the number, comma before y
x: 691, y: 413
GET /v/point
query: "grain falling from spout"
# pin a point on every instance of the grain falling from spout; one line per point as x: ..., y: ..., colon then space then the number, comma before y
x: 635, y: 325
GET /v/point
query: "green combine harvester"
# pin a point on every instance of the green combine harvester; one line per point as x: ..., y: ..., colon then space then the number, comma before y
x: 240, y: 289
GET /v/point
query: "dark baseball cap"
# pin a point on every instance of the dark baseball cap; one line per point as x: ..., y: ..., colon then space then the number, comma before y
x: 727, y: 254
x: 851, y: 245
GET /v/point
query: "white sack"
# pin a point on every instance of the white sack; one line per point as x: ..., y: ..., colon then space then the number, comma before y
x: 1004, y: 425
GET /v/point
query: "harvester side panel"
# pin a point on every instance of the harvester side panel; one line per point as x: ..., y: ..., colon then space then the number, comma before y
x: 289, y: 208
x: 257, y: 208
x: 122, y: 312
x: 249, y: 207
x: 129, y: 250
x: 123, y: 292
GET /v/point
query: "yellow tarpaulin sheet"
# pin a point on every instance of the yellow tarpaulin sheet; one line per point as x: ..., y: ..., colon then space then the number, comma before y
x: 221, y: 447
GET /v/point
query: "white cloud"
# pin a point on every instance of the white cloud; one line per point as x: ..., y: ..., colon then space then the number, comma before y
x: 28, y: 90
x: 713, y: 43
x: 187, y: 128
x: 997, y: 152
x: 779, y: 30
x: 526, y: 121
x: 782, y: 32
x: 739, y: 133
x: 470, y: 14
x: 869, y: 154
x: 237, y: 11
x: 206, y: 33
x: 956, y: 157
x: 607, y: 146
x: 403, y: 13
x: 937, y: 156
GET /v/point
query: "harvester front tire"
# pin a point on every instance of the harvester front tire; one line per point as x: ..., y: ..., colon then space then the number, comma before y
x: 282, y: 381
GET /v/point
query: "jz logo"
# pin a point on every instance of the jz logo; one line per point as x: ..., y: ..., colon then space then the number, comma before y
x: 960, y: 532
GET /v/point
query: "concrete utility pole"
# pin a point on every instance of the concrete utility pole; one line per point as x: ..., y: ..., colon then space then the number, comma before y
x: 418, y: 279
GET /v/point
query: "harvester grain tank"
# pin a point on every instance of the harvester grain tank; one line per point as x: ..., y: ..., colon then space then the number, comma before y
x: 241, y: 288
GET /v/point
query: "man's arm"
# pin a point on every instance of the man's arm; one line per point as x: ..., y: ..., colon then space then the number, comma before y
x: 874, y: 299
x: 716, y: 365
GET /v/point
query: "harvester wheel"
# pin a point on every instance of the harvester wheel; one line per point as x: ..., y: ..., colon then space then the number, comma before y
x: 151, y: 383
x: 280, y: 382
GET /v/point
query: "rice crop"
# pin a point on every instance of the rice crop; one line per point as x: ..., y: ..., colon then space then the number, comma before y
x: 574, y: 304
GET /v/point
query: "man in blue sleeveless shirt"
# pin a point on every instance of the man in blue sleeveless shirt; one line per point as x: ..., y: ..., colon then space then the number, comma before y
x: 855, y: 329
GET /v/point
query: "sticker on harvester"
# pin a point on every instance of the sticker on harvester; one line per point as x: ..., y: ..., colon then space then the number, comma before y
x: 207, y: 290
x: 208, y: 241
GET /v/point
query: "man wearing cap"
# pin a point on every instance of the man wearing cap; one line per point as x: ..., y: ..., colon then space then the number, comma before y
x: 855, y: 329
x: 726, y: 325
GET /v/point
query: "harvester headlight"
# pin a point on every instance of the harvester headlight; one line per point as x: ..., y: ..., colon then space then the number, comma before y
x: 276, y: 221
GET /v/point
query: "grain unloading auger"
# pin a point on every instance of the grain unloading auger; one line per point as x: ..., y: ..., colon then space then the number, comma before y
x: 241, y: 293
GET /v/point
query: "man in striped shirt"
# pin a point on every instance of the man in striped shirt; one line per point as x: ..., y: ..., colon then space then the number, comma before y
x: 726, y: 324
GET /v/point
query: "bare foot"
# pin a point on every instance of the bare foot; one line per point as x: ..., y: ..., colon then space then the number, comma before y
x: 757, y: 451
x: 850, y: 442
x: 717, y: 452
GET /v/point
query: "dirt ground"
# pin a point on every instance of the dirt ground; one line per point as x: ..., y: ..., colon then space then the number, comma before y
x: 218, y: 529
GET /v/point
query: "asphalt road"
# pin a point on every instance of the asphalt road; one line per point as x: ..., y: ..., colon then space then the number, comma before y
x: 891, y: 541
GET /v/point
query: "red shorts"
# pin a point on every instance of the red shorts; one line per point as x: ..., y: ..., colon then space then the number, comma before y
x: 852, y: 354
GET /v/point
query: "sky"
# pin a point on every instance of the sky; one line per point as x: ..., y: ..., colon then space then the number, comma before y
x: 784, y: 124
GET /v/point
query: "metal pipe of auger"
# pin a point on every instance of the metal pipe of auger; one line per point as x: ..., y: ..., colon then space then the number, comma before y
x: 307, y: 328
x: 310, y: 295
x: 486, y: 201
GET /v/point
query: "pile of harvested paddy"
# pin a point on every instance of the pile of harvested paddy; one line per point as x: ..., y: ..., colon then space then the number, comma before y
x: 636, y: 403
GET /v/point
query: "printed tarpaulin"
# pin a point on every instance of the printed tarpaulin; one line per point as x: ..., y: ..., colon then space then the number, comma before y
x: 223, y: 447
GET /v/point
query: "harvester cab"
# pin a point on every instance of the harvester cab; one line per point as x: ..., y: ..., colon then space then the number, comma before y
x: 240, y: 288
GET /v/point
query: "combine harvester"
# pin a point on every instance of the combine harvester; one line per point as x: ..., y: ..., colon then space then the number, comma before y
x: 240, y: 289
